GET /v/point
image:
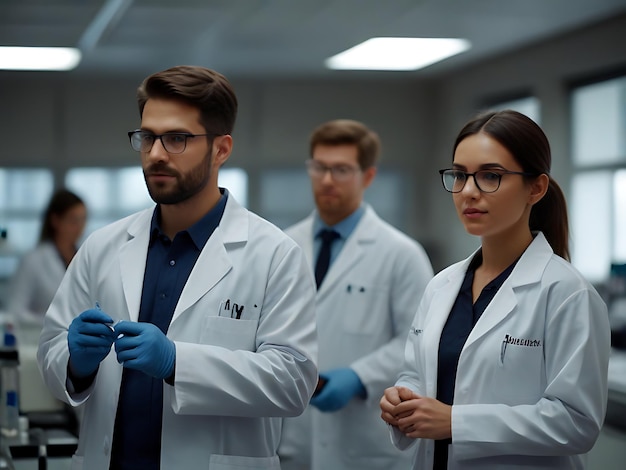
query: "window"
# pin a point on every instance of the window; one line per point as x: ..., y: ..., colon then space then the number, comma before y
x: 598, y: 199
x: 24, y: 194
x: 285, y: 196
x: 529, y: 105
x: 109, y: 193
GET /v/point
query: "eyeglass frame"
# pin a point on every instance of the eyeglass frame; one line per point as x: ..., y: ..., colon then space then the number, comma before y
x: 500, y: 172
x: 156, y: 137
x: 313, y: 166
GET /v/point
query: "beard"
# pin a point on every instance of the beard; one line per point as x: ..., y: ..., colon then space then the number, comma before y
x: 187, y: 185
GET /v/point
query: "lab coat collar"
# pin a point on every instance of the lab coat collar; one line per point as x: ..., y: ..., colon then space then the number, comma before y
x: 528, y: 270
x: 211, y: 266
x: 214, y: 261
x: 133, y: 255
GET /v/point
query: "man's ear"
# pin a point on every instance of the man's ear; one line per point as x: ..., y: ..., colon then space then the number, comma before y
x: 368, y: 176
x: 222, y: 147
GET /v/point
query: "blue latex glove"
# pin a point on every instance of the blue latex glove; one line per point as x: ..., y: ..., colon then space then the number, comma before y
x: 145, y: 347
x: 341, y: 386
x: 89, y: 340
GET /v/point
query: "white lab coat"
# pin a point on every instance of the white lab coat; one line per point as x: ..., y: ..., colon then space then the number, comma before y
x: 234, y: 377
x: 535, y: 403
x: 35, y: 282
x: 364, y: 308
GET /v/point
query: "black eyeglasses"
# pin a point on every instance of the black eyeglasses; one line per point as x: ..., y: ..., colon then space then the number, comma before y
x: 487, y: 181
x: 173, y: 142
x: 340, y: 173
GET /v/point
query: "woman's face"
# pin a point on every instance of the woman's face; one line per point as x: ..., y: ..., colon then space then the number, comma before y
x: 70, y: 225
x: 498, y: 214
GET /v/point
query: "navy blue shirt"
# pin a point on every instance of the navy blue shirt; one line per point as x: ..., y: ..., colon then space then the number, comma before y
x: 463, y: 316
x: 137, y: 433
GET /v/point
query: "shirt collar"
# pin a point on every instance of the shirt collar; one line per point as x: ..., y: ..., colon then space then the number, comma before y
x: 344, y: 228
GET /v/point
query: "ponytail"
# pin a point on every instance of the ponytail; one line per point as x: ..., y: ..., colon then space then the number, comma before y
x: 549, y: 216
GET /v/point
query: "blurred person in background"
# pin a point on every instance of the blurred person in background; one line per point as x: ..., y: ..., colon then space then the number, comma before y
x: 41, y: 270
x: 31, y: 291
x: 364, y: 304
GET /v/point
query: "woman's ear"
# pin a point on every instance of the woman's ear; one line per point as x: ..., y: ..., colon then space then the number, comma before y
x: 538, y: 188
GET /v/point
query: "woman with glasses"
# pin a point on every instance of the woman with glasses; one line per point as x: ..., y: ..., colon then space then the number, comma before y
x: 507, y: 357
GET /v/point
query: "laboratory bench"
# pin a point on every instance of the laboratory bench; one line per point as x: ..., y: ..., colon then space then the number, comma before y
x: 41, y: 449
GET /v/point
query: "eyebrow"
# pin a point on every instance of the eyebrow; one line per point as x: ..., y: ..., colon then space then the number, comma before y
x: 486, y: 166
x: 172, y: 131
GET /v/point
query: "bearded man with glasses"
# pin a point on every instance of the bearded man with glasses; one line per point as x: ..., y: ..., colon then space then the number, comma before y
x: 197, y: 332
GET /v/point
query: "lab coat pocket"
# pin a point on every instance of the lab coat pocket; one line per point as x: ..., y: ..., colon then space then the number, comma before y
x: 234, y: 462
x: 366, y: 308
x: 230, y: 333
x: 523, y: 364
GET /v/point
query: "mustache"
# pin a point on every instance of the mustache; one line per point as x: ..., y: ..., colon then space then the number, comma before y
x: 158, y: 169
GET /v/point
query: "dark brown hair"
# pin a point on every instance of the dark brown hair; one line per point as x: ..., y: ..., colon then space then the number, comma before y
x: 347, y: 132
x: 529, y: 146
x: 202, y: 88
x: 60, y: 202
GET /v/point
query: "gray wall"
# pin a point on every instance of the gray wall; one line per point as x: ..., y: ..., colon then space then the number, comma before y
x: 65, y: 120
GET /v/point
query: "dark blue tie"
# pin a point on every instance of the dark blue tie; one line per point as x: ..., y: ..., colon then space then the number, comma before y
x: 323, y: 259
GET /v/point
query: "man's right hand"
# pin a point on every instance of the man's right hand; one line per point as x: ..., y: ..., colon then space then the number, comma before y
x: 89, y: 339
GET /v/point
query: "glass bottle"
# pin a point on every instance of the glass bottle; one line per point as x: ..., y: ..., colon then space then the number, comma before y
x: 9, y: 385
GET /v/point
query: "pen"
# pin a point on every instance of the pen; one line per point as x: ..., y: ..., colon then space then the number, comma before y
x: 503, y: 348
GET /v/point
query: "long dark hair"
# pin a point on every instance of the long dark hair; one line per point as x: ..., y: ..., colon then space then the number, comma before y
x: 60, y: 202
x: 529, y: 146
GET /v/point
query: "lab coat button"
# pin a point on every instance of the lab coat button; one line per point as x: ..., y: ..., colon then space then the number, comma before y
x: 172, y: 262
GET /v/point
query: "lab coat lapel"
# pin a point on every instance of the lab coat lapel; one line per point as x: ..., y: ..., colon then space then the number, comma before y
x: 528, y: 270
x: 133, y: 255
x: 214, y: 262
x: 438, y: 312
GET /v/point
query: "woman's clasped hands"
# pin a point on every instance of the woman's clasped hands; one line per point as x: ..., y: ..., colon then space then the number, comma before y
x: 416, y: 416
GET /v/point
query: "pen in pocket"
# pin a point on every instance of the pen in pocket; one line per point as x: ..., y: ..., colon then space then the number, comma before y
x: 503, y: 348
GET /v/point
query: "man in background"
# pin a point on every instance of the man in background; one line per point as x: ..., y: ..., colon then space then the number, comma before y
x: 370, y: 278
